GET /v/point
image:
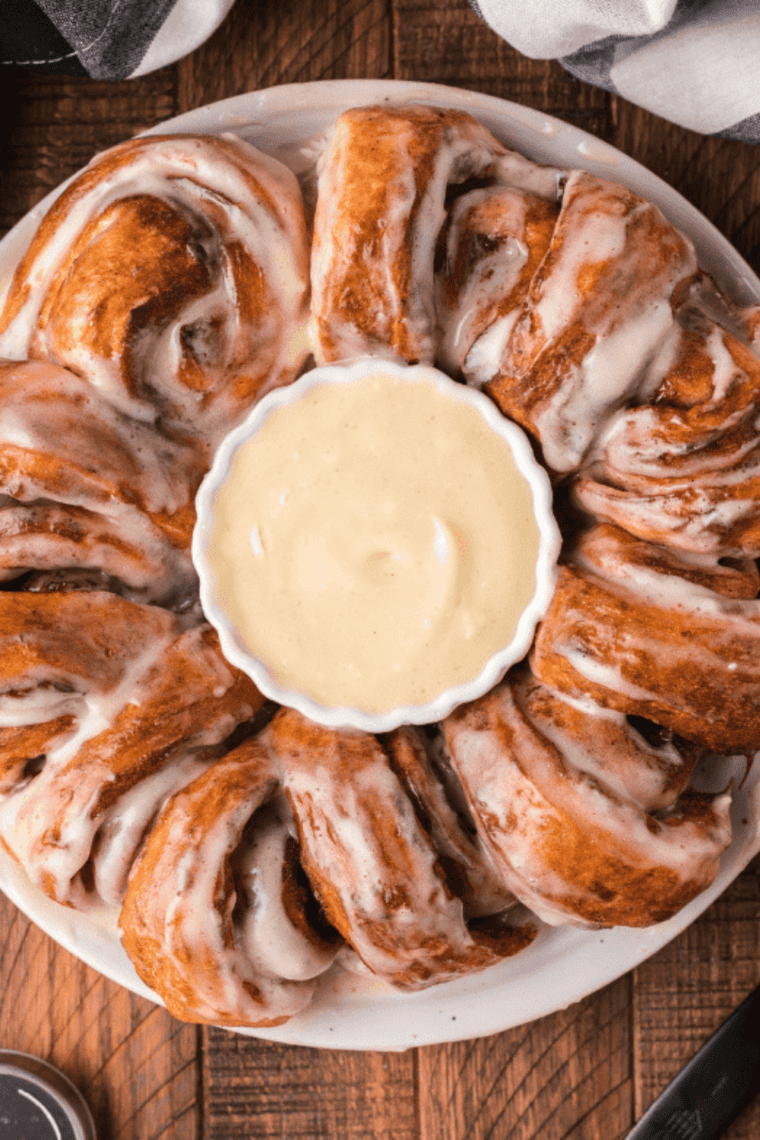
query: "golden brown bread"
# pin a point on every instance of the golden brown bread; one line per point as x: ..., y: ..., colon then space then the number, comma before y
x: 59, y: 645
x: 172, y: 274
x: 372, y: 865
x: 24, y: 747
x: 86, y: 486
x: 153, y: 704
x: 683, y: 469
x: 636, y: 629
x: 419, y: 763
x: 567, y: 800
x: 214, y: 948
x: 381, y: 205
x: 597, y: 307
x: 490, y: 248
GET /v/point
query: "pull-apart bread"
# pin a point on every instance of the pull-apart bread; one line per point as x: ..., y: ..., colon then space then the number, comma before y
x: 172, y: 284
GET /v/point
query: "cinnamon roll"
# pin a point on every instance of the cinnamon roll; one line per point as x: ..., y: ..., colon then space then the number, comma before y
x: 84, y: 485
x: 494, y: 239
x: 599, y: 306
x: 684, y: 468
x: 166, y: 291
x: 637, y: 628
x: 420, y: 764
x: 381, y: 204
x: 152, y: 704
x: 586, y: 818
x: 172, y: 274
x: 371, y: 863
x: 216, y: 918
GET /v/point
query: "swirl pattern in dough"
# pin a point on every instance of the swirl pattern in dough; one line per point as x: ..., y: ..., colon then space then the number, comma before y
x: 171, y: 274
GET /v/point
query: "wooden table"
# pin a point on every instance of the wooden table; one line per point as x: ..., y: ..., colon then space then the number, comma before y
x: 583, y: 1074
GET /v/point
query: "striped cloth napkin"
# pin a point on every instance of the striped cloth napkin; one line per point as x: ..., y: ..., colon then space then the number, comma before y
x: 695, y: 62
x: 106, y: 39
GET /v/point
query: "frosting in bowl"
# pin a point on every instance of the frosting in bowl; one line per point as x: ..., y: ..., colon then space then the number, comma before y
x: 371, y: 539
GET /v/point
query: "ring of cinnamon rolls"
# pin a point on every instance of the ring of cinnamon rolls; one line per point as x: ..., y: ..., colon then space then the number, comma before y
x: 175, y: 281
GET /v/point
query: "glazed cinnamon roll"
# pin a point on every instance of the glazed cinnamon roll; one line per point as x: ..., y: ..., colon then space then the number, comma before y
x: 638, y: 628
x: 216, y: 918
x: 684, y: 468
x: 172, y: 274
x: 82, y: 485
x: 492, y: 244
x: 164, y: 293
x: 381, y: 205
x: 420, y: 764
x: 371, y: 863
x: 586, y: 818
x: 599, y: 306
x: 152, y: 705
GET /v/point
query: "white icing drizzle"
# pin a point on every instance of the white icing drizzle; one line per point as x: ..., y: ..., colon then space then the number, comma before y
x: 685, y: 470
x: 639, y: 628
x: 402, y: 321
x: 398, y: 915
x: 608, y: 375
x: 614, y: 754
x: 232, y: 195
x: 606, y: 280
x: 522, y: 792
x: 483, y: 361
x: 50, y: 412
x: 271, y: 940
x: 491, y: 279
x: 484, y: 892
x: 28, y: 816
x: 124, y: 828
x: 196, y: 926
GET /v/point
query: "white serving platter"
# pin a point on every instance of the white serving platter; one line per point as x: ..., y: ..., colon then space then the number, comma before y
x: 564, y: 964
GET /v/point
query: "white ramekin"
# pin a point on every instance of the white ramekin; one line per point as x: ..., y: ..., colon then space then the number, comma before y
x: 343, y: 716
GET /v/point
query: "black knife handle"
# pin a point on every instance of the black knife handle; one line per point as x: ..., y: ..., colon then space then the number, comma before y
x: 718, y: 1082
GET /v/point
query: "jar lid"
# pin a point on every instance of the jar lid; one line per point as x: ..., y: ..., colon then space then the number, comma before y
x: 39, y: 1103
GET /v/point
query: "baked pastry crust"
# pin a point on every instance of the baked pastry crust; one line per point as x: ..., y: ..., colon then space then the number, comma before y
x: 589, y: 823
x: 216, y: 957
x: 380, y: 207
x: 683, y: 469
x: 173, y: 275
x: 597, y: 306
x: 84, y: 485
x: 635, y: 630
x: 351, y: 814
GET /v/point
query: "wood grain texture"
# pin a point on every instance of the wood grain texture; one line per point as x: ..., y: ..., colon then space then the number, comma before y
x: 687, y: 990
x: 565, y: 1077
x: 136, y: 1066
x: 266, y: 43
x: 720, y: 177
x: 447, y: 43
x: 53, y: 125
x: 254, y: 1089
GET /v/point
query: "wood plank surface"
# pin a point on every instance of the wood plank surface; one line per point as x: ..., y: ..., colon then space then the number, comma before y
x: 256, y: 1089
x: 684, y: 993
x: 582, y: 1074
x: 53, y: 125
x: 568, y: 1075
x: 137, y: 1067
x: 266, y: 44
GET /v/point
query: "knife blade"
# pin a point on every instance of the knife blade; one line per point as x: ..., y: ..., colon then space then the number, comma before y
x: 713, y: 1088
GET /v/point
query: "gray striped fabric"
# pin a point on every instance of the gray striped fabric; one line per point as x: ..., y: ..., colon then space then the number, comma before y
x: 695, y: 62
x: 105, y: 39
